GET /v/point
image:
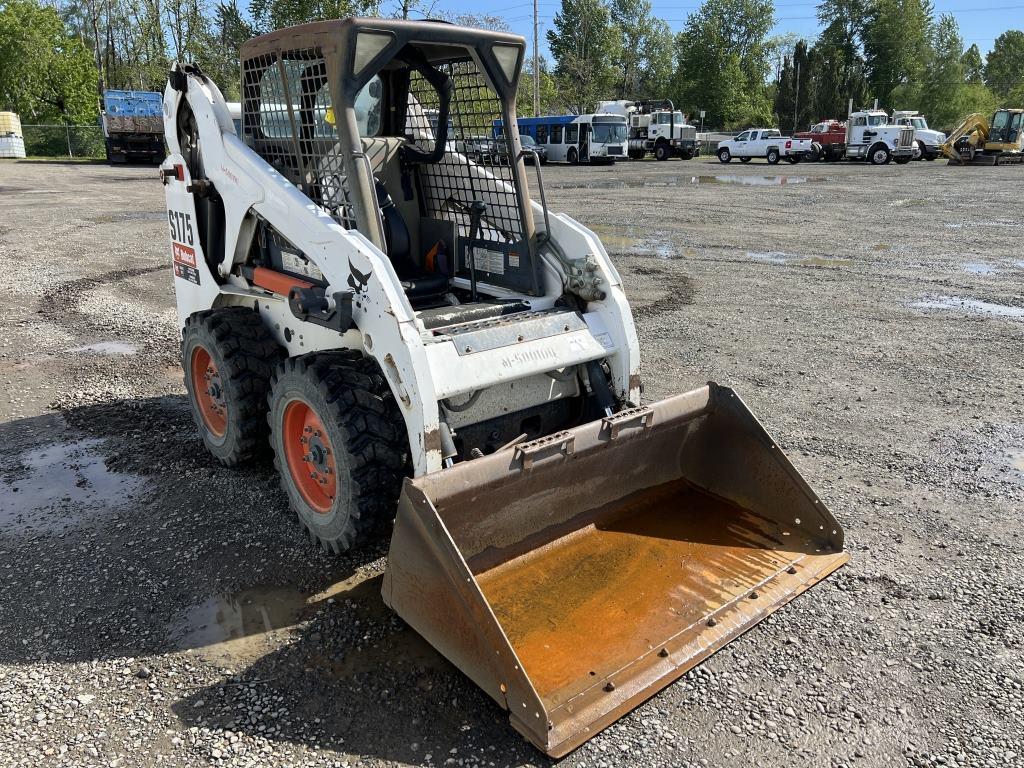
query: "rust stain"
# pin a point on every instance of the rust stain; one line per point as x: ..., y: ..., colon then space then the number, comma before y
x: 593, y: 601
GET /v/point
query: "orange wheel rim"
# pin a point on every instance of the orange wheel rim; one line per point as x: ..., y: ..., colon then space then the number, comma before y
x: 209, y: 392
x: 309, y: 455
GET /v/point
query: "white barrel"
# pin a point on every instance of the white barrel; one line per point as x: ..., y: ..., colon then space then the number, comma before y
x: 12, y: 147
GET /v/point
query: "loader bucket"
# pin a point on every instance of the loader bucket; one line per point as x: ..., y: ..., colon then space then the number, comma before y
x: 575, y: 576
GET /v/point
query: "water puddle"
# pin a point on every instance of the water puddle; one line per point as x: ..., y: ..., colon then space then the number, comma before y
x: 241, y: 627
x: 629, y: 240
x: 59, y: 486
x: 781, y: 257
x: 686, y: 181
x: 106, y: 348
x: 978, y: 268
x: 970, y: 306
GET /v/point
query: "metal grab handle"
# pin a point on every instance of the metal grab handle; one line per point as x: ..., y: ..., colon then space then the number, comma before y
x: 540, y: 186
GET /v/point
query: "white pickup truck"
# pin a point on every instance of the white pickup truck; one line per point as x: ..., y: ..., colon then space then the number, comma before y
x: 768, y: 143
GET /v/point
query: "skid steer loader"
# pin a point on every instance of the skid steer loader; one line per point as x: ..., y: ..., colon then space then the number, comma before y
x: 420, y: 340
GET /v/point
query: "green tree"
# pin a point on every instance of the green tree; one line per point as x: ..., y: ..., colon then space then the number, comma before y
x: 795, y: 100
x: 723, y: 60
x: 274, y: 14
x: 655, y: 81
x: 971, y: 61
x: 838, y: 60
x: 46, y: 75
x: 585, y: 46
x: 1004, y: 68
x: 896, y: 38
x: 943, y: 86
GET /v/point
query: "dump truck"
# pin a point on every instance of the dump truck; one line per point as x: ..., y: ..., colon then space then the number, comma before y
x: 421, y: 343
x: 655, y: 126
x: 133, y: 126
x: 980, y: 141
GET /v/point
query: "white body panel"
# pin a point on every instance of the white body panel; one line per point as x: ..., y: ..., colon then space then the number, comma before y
x: 421, y: 367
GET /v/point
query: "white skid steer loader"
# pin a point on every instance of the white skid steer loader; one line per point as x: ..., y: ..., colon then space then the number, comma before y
x: 419, y: 340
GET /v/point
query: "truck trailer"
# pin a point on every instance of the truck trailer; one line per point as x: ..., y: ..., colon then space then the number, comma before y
x: 133, y: 126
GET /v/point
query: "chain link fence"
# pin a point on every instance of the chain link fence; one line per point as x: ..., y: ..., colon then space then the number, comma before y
x: 84, y: 141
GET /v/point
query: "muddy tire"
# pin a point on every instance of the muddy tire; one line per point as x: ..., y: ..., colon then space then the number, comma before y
x: 772, y: 157
x: 339, y: 445
x: 662, y: 152
x: 228, y: 356
x: 724, y: 155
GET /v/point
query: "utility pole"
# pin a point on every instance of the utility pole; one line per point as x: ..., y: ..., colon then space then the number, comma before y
x: 536, y: 65
x: 796, y: 99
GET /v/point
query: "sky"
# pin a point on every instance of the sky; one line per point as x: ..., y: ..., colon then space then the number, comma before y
x: 981, y: 24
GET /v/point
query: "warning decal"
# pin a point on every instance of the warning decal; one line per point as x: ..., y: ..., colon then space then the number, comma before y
x: 185, y: 262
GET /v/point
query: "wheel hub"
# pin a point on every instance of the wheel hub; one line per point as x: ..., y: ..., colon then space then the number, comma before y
x: 309, y: 456
x: 208, y: 391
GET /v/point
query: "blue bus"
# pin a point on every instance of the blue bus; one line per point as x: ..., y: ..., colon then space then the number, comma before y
x: 573, y: 139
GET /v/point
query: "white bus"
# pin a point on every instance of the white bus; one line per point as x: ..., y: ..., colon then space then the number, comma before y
x: 597, y: 138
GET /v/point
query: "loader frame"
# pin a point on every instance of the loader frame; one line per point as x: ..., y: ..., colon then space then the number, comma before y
x: 424, y: 367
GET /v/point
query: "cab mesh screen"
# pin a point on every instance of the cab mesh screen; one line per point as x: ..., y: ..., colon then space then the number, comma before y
x: 285, y: 120
x: 476, y: 165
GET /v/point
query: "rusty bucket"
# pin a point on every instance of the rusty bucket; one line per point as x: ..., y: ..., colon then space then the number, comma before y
x: 575, y: 576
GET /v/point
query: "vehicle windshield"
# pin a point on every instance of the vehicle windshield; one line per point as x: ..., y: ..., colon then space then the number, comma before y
x: 527, y: 140
x: 919, y: 123
x: 609, y: 133
x: 877, y: 119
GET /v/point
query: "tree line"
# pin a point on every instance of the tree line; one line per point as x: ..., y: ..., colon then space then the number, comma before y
x: 725, y: 62
x: 57, y: 55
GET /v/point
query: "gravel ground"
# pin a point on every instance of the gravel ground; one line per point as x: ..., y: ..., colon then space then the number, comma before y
x: 160, y: 610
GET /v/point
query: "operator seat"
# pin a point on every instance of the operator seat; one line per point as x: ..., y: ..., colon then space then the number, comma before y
x: 416, y: 282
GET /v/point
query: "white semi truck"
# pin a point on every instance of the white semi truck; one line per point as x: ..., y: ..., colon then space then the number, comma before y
x: 927, y: 142
x: 870, y: 136
x: 655, y: 126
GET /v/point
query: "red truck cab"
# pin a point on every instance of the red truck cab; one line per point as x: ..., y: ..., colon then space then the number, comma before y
x: 829, y: 137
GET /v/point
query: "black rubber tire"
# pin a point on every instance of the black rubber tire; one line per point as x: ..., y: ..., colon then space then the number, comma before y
x: 744, y: 159
x: 687, y: 154
x: 879, y: 154
x: 245, y: 354
x: 572, y: 156
x: 724, y: 156
x: 931, y: 156
x: 901, y: 160
x: 366, y: 432
x: 662, y: 152
x: 636, y: 154
x: 772, y: 157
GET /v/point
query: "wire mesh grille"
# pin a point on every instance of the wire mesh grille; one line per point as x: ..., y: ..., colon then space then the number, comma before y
x: 476, y: 165
x: 286, y: 120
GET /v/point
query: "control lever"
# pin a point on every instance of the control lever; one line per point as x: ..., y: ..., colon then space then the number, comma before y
x: 477, y: 209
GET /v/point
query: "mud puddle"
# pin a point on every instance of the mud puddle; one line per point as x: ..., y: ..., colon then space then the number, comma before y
x: 241, y: 627
x: 688, y: 181
x: 969, y: 306
x: 979, y: 268
x: 61, y: 486
x: 781, y: 257
x: 629, y: 240
x: 112, y: 348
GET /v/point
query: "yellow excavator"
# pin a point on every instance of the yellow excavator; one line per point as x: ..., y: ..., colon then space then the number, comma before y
x: 978, y: 141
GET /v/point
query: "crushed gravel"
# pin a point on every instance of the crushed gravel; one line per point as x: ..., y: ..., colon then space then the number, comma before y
x: 160, y: 610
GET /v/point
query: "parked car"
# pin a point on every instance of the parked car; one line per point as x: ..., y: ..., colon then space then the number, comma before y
x: 768, y: 143
x: 528, y: 143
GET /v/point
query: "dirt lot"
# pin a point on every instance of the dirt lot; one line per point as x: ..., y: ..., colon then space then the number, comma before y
x: 159, y: 610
